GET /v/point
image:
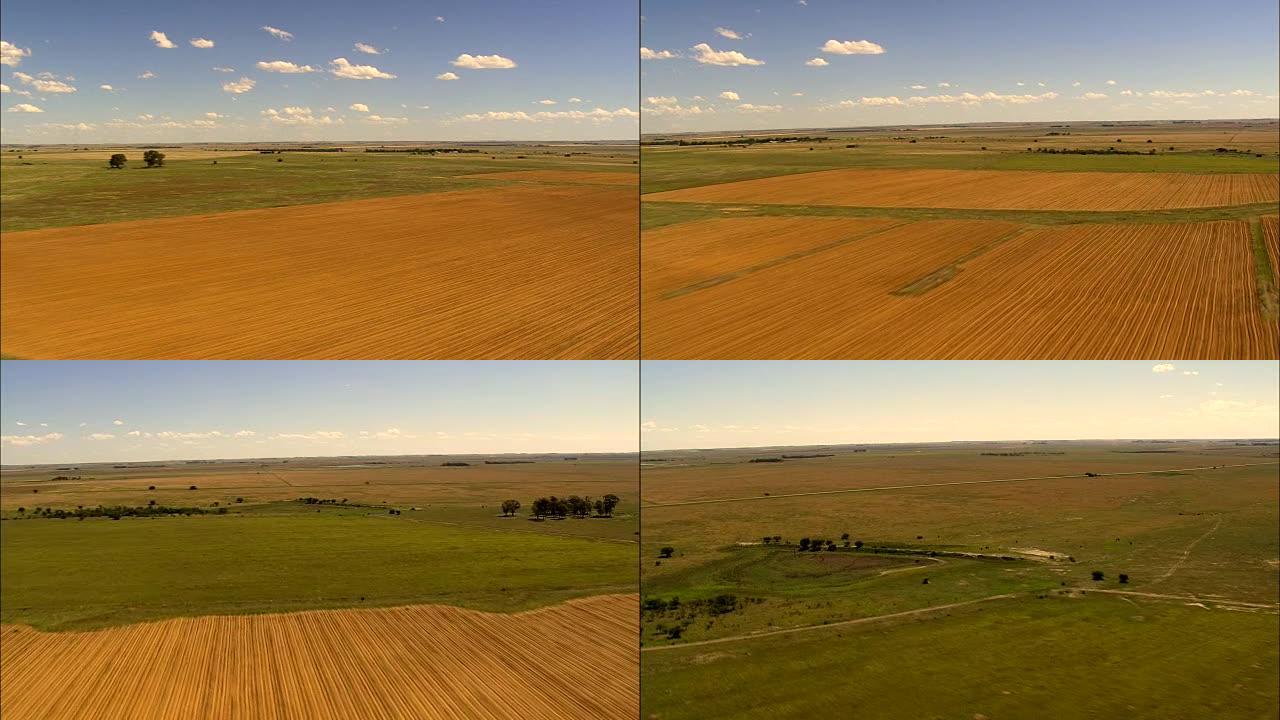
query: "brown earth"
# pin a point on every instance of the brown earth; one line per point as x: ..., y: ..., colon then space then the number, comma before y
x: 1271, y: 238
x: 927, y: 290
x: 530, y: 272
x: 575, y: 660
x: 990, y: 189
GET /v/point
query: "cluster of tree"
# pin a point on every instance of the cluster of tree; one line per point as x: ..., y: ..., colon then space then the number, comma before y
x: 741, y: 141
x: 1020, y: 454
x: 1099, y: 576
x: 319, y: 501
x: 66, y: 477
x: 455, y: 463
x: 115, y: 512
x: 765, y: 460
x: 575, y: 506
x: 277, y: 151
x: 686, y: 612
x: 1089, y: 151
x: 817, y: 544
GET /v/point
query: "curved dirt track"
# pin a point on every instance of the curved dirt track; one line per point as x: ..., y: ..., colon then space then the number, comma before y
x: 574, y: 660
x: 528, y: 271
x: 991, y: 189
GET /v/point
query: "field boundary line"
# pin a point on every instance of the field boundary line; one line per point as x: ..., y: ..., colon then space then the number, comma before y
x: 1190, y: 598
x: 841, y: 623
x: 711, y: 501
x: 1186, y: 553
x: 944, y: 274
x: 775, y: 262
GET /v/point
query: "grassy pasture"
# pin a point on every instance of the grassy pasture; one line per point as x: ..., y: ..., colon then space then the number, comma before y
x: 47, y: 189
x: 1206, y: 535
x: 269, y: 553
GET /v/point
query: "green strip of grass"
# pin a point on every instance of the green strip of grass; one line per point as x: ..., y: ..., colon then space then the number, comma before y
x: 1268, y: 284
x: 950, y: 270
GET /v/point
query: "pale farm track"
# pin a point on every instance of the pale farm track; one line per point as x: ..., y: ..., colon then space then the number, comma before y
x: 528, y: 271
x: 574, y: 660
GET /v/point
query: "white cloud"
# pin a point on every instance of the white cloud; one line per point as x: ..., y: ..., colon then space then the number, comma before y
x: 5, y: 88
x: 662, y: 100
x: 106, y: 87
x: 45, y: 83
x: 27, y: 440
x: 284, y: 66
x: 816, y: 62
x: 239, y: 87
x: 727, y: 33
x: 968, y: 99
x: 1075, y: 84
x: 381, y: 120
x: 1166, y: 396
x: 213, y: 115
x: 245, y: 433
x: 440, y: 18
x: 388, y: 434
x: 146, y: 75
x: 80, y: 127
x: 358, y: 107
x: 1126, y: 93
x: 101, y: 436
x: 944, y: 84
x: 174, y: 435
x: 1111, y: 82
x: 367, y: 49
x: 873, y: 101
x: 19, y: 423
x: 1244, y: 93
x: 483, y: 62
x: 647, y: 54
x: 729, y: 95
x: 11, y: 54
x: 852, y: 47
x: 919, y: 87
x: 748, y: 107
x: 447, y: 76
x: 1190, y: 372
x: 707, y: 55
x: 144, y: 117
x: 314, y: 436
x: 202, y: 43
x: 575, y: 100
x: 294, y: 116
x: 679, y: 110
x: 1161, y: 368
x: 218, y: 68
x: 134, y: 433
x: 598, y: 114
x: 25, y: 108
x: 1093, y: 96
x: 118, y: 421
x: 343, y: 69
x: 161, y: 40
x: 277, y: 32
x: 547, y: 102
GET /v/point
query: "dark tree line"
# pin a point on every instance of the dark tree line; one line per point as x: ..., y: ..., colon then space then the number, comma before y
x: 571, y: 506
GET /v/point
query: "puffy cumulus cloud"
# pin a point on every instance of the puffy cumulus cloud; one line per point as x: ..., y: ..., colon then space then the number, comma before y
x: 218, y: 68
x: 483, y: 62
x: 1126, y: 93
x: 1244, y: 93
x: 44, y: 83
x: 1093, y: 96
x: 358, y: 107
x: 919, y: 87
x: 284, y: 66
x: 101, y: 436
x: 178, y: 435
x: 852, y: 47
x: 144, y: 117
x: 662, y: 100
x: 647, y: 54
x: 106, y: 87
x: 239, y: 87
x: 5, y: 88
x: 117, y: 422
x: 298, y: 116
x: 339, y: 67
x: 749, y: 108
x: 1111, y: 82
x: 729, y: 95
x: 202, y: 43
x: 598, y: 115
x: 134, y: 433
x: 872, y: 101
x: 213, y: 115
x: 246, y: 433
x: 367, y: 49
x: 970, y: 99
x: 1161, y: 368
x: 677, y: 110
x: 28, y: 440
x: 382, y: 120
x: 25, y: 108
x: 388, y: 434
x: 278, y: 33
x: 11, y: 54
x: 547, y: 102
x: 146, y: 75
x: 318, y: 436
x: 575, y: 100
x: 725, y: 32
x: 447, y: 76
x: 69, y: 127
x: 944, y: 84
x: 816, y: 62
x: 161, y: 40
x: 708, y: 55
x: 1190, y: 372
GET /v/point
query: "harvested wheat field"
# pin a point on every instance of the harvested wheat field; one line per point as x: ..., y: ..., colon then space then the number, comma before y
x: 978, y: 290
x: 991, y: 189
x: 1271, y: 238
x: 532, y: 272
x: 575, y: 660
x: 564, y: 176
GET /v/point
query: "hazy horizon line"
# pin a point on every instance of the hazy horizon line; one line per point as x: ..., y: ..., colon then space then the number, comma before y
x: 1170, y: 121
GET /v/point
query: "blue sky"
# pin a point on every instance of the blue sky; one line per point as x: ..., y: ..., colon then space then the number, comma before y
x: 578, y: 54
x: 73, y: 411
x: 1017, y: 61
x: 741, y: 404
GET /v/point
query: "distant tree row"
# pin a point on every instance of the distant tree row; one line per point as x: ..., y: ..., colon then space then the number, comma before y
x: 571, y: 506
x: 115, y: 512
x: 152, y: 158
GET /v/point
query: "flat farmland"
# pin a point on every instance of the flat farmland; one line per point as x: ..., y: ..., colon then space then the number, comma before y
x: 1271, y: 239
x: 562, y: 176
x: 512, y: 271
x: 954, y: 549
x: 990, y: 189
x: 574, y: 660
x: 956, y: 289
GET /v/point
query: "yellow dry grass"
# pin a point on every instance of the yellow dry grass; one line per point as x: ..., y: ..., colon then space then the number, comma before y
x: 575, y: 660
x: 528, y: 272
x: 991, y: 189
x: 564, y: 176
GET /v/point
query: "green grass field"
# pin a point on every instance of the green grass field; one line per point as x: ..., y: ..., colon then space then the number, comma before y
x: 43, y: 190
x: 1199, y: 546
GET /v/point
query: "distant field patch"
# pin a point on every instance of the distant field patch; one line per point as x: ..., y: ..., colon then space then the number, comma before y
x: 563, y: 176
x: 533, y: 272
x: 991, y: 189
x: 575, y: 660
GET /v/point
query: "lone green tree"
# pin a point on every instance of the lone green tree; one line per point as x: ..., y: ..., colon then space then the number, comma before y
x: 509, y: 507
x: 153, y: 158
x: 666, y: 552
x: 117, y: 161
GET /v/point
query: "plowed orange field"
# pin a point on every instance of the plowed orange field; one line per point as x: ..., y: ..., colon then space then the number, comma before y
x: 531, y: 272
x: 1271, y: 236
x: 576, y: 660
x: 991, y: 189
x: 1081, y: 292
